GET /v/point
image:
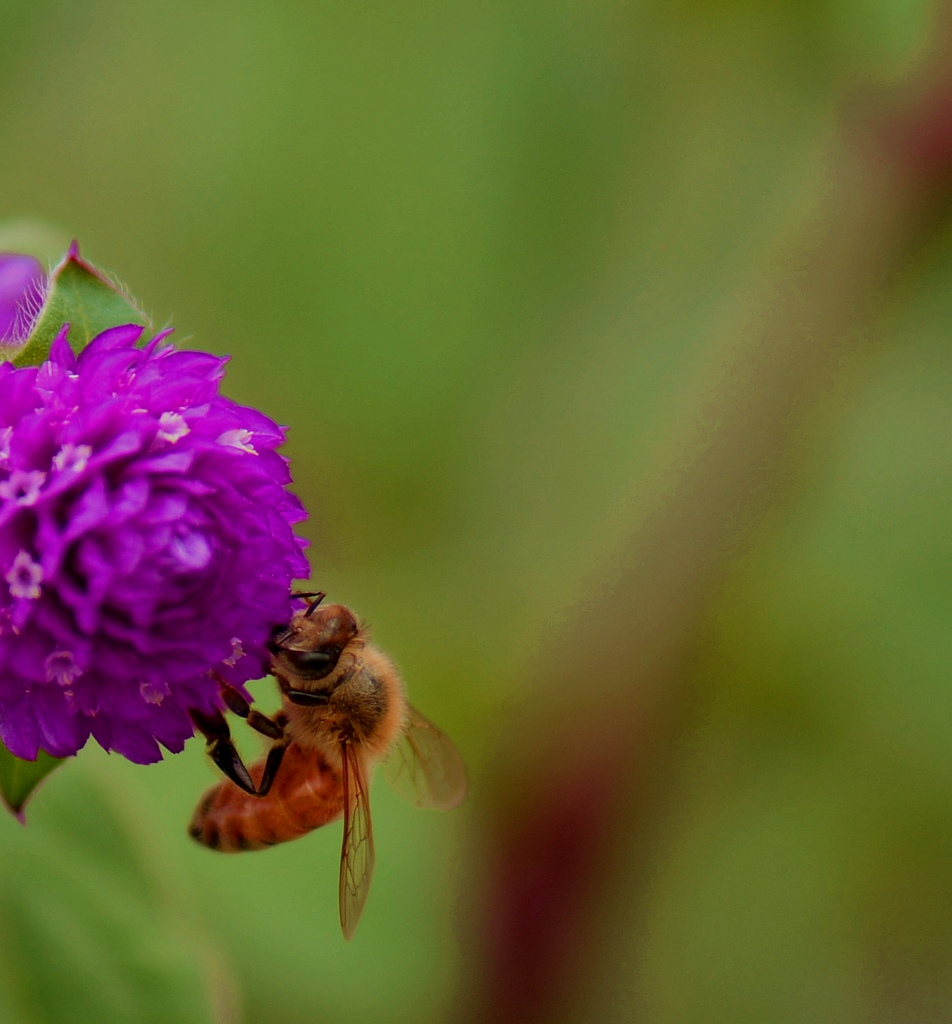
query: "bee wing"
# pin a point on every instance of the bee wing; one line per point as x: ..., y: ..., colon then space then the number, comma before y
x: 425, y: 767
x: 357, y: 853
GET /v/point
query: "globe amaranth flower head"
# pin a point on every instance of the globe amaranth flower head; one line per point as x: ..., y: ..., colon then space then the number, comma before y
x: 146, y: 538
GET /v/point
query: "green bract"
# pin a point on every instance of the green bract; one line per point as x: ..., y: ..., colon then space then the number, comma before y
x: 79, y: 295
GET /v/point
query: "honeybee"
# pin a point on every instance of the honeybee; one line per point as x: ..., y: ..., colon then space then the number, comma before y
x: 343, y: 710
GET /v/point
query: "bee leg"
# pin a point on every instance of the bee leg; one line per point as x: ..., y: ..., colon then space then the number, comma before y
x: 271, y: 766
x: 237, y: 704
x: 221, y: 748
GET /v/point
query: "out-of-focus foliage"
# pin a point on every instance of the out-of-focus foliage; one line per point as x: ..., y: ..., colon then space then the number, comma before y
x: 473, y: 254
x: 808, y: 871
x: 94, y: 922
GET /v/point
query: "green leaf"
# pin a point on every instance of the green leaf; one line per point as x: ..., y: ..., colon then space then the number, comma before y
x: 19, y: 778
x: 83, y: 297
x: 97, y: 921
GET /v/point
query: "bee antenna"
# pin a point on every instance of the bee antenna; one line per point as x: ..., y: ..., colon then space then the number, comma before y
x: 318, y: 596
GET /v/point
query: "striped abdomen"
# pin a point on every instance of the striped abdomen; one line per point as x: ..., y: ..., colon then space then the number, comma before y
x: 307, y: 793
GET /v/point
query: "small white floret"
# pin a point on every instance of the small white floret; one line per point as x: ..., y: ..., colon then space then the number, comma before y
x: 239, y: 438
x: 172, y: 427
x: 72, y: 458
x: 237, y: 653
x: 24, y: 577
x: 61, y: 668
x: 23, y: 486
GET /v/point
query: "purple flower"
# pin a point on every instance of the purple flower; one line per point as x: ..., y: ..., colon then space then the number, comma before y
x: 146, y: 538
x: 21, y: 286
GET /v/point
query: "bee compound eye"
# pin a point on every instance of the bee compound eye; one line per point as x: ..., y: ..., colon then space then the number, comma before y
x: 312, y: 664
x: 279, y: 634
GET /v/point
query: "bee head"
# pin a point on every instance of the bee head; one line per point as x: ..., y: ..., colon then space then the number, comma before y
x: 312, y: 645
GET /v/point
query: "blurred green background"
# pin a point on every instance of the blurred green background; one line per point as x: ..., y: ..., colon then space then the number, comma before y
x: 471, y: 254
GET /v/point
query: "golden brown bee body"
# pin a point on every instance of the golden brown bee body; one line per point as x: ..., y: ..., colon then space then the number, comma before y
x: 343, y: 710
x: 306, y: 794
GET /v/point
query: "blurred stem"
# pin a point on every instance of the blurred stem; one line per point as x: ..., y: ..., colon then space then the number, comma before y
x: 592, y: 756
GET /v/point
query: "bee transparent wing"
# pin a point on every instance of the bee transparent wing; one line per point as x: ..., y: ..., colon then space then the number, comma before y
x: 357, y: 853
x: 425, y: 767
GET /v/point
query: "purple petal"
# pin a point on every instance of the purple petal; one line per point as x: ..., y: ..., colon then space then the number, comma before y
x: 60, y: 351
x: 124, y: 336
x: 19, y: 731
